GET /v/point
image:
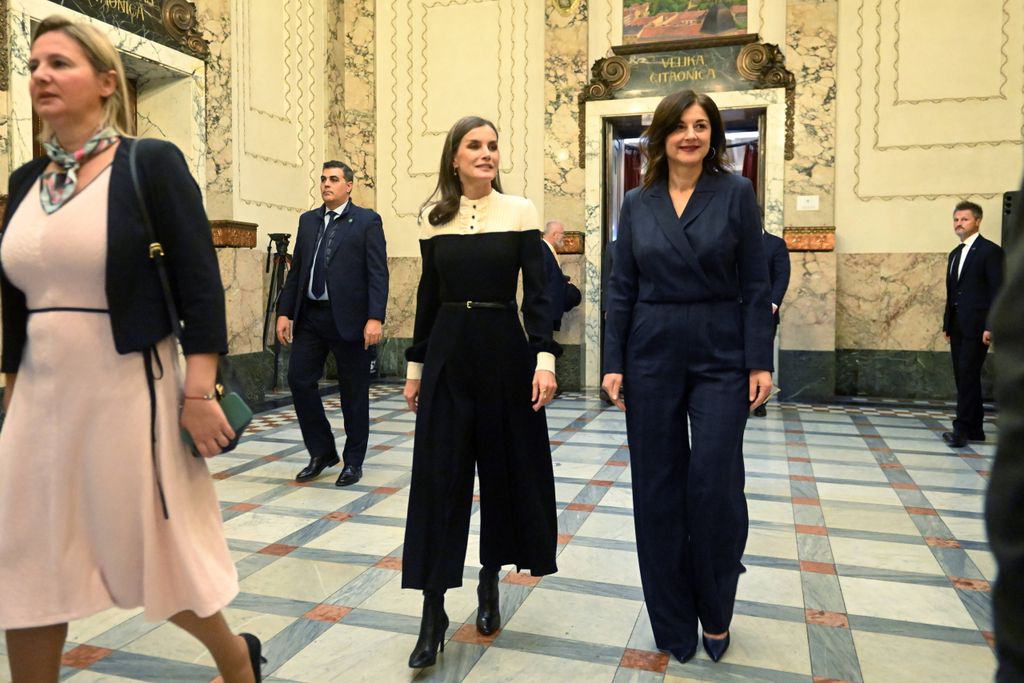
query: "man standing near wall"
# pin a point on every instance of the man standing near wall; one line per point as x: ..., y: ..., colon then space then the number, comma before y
x: 974, y: 273
x: 334, y: 300
x: 778, y: 278
x: 563, y: 295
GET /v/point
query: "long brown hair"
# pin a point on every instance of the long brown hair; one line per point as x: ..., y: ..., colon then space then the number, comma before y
x: 103, y: 58
x: 448, y: 184
x: 666, y: 118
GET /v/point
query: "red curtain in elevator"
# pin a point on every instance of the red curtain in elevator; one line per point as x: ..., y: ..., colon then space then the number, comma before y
x: 631, y: 169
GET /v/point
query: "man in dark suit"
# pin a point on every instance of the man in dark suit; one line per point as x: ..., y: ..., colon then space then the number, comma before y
x: 334, y: 300
x: 974, y: 272
x: 1003, y: 505
x: 778, y: 278
x: 563, y: 295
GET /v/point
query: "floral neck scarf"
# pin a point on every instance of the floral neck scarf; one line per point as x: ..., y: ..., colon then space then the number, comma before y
x: 59, y: 186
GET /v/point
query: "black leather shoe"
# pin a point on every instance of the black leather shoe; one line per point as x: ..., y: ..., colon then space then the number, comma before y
x: 715, y: 647
x: 432, y: 631
x: 316, y: 466
x: 976, y: 436
x: 256, y: 657
x: 488, y: 614
x: 954, y: 439
x: 760, y: 411
x: 350, y: 474
x: 682, y: 656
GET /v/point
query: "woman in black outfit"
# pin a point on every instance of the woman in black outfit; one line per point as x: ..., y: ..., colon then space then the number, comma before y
x: 689, y: 333
x: 479, y: 385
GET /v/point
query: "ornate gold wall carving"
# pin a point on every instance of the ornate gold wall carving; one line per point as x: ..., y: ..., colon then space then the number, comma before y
x: 810, y: 239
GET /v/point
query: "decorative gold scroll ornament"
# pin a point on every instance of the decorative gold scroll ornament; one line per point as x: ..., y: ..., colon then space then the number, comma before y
x: 179, y: 18
x: 765, y: 65
x: 566, y: 7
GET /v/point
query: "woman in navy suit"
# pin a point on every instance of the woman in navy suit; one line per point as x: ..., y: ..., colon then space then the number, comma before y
x: 689, y: 333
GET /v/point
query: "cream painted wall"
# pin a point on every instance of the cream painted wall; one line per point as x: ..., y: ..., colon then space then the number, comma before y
x: 437, y: 61
x: 278, y: 105
x: 930, y: 110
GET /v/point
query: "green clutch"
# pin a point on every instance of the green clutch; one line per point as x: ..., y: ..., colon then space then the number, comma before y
x: 239, y: 416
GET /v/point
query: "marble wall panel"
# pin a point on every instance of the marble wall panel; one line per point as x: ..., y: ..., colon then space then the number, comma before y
x: 359, y: 134
x: 566, y: 72
x: 573, y: 323
x: 214, y: 17
x: 241, y: 271
x: 405, y: 277
x: 5, y: 140
x: 811, y: 29
x: 890, y: 301
x: 350, y: 118
x: 808, y: 314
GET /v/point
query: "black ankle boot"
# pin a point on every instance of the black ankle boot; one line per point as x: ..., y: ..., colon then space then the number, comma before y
x: 432, y: 631
x: 488, y: 614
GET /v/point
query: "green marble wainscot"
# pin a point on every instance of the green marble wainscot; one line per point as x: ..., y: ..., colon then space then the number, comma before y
x: 806, y: 375
x: 251, y: 374
x: 903, y: 374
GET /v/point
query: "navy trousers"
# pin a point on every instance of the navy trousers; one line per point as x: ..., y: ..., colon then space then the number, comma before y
x: 684, y: 370
x: 313, y: 337
x: 968, y: 354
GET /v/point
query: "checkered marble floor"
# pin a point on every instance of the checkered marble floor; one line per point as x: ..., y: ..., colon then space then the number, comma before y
x: 867, y: 561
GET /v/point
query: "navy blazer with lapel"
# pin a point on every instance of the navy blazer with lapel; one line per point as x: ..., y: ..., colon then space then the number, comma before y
x: 357, y: 269
x: 973, y: 294
x: 135, y: 297
x: 712, y: 253
x: 778, y: 269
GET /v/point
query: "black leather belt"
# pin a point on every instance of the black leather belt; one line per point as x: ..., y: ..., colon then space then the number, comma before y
x: 494, y: 305
x: 318, y: 303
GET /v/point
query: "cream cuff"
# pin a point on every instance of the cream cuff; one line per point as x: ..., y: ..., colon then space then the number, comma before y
x: 546, y: 361
x: 414, y: 370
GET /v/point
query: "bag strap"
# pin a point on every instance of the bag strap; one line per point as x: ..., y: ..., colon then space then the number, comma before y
x: 156, y: 250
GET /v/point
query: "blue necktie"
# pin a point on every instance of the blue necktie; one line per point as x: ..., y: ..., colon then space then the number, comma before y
x: 320, y: 264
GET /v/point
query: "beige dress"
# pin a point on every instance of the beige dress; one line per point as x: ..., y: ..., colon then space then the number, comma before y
x: 81, y: 526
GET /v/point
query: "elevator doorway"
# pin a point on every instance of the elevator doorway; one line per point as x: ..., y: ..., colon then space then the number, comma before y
x: 623, y: 170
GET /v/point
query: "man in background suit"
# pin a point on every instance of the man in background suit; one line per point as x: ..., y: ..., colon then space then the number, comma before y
x: 334, y: 300
x: 778, y: 278
x: 563, y: 295
x: 1004, y: 504
x: 974, y: 272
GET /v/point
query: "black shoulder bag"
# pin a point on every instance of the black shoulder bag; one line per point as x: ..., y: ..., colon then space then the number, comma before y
x: 238, y: 414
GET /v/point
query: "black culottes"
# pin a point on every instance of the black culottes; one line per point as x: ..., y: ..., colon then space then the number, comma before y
x: 475, y: 414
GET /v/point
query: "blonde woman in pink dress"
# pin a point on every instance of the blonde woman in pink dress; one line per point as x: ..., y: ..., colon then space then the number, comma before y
x: 101, y: 504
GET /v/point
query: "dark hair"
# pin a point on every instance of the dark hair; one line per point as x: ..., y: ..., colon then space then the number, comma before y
x: 345, y: 170
x: 448, y: 184
x: 972, y: 207
x: 666, y: 118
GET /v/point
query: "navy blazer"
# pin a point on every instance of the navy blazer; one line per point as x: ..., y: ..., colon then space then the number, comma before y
x: 563, y: 296
x: 778, y: 269
x: 973, y: 294
x: 357, y: 270
x: 713, y: 252
x: 1005, y: 523
x: 138, y: 312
